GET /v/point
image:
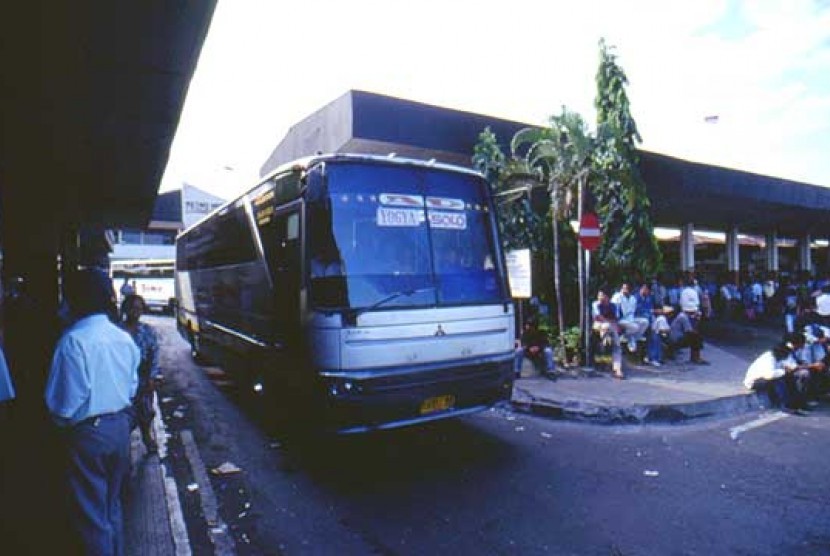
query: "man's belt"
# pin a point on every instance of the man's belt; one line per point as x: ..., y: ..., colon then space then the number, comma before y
x: 95, y: 420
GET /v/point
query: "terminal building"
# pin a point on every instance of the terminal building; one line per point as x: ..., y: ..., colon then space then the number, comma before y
x: 173, y: 212
x: 709, y: 219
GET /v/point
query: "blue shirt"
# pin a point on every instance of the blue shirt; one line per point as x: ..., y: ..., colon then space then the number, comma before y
x: 148, y: 344
x: 645, y: 306
x: 6, y: 385
x: 93, y: 372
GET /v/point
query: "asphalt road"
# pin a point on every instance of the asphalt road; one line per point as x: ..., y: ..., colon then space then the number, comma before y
x: 501, y: 483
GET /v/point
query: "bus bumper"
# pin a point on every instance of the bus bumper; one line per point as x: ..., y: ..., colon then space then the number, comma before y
x: 364, y: 401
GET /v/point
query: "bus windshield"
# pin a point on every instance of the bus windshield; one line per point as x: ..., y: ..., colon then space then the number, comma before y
x: 399, y: 236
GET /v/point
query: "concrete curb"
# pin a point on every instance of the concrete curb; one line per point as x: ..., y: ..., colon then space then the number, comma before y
x: 635, y: 414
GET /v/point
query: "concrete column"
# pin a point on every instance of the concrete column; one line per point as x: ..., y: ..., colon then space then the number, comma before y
x: 687, y: 247
x: 772, y: 251
x: 733, y: 251
x: 805, y: 259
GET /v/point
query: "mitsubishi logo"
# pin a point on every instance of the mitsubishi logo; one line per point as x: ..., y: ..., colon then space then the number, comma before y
x: 440, y: 331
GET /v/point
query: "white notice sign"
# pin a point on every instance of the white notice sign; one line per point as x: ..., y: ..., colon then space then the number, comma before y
x: 519, y: 273
x: 399, y: 217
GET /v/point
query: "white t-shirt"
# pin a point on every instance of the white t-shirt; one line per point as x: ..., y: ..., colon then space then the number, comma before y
x: 627, y: 305
x: 823, y: 304
x: 660, y: 324
x: 689, y: 300
x: 764, y: 367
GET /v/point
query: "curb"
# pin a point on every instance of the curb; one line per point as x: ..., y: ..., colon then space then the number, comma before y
x: 635, y: 414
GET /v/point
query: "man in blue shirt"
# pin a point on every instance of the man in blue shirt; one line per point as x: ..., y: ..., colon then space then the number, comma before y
x: 92, y: 379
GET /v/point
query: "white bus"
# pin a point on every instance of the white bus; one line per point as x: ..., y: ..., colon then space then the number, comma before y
x: 152, y: 279
x: 371, y: 289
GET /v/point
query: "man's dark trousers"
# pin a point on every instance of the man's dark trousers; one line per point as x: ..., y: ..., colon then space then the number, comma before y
x: 99, y: 464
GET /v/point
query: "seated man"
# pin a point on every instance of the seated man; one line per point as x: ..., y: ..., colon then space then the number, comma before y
x: 659, y: 335
x: 820, y: 342
x: 767, y: 375
x: 632, y: 326
x: 684, y: 334
x: 605, y: 317
x: 803, y: 362
x: 534, y: 345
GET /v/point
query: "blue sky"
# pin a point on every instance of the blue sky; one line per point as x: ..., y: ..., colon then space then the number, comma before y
x: 761, y: 67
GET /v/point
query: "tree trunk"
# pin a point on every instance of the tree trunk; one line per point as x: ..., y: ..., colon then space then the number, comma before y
x: 556, y: 275
x: 580, y: 255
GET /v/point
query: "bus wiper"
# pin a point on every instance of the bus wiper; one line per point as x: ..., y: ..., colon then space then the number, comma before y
x: 354, y: 313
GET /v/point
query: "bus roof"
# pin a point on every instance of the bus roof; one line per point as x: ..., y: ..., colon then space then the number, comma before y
x: 302, y: 164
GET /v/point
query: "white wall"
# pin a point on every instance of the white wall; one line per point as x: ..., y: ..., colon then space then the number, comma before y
x: 196, y: 204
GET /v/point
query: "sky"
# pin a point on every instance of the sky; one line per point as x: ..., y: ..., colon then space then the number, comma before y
x: 741, y: 84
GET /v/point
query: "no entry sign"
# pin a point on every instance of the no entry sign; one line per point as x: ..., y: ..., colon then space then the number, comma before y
x: 589, y: 234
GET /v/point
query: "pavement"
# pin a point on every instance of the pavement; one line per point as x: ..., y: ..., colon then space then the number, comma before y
x: 153, y: 519
x: 675, y: 392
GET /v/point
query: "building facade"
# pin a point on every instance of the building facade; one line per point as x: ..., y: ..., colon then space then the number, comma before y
x: 173, y: 212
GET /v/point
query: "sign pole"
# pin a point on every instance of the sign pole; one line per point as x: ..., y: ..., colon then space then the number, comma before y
x: 589, y: 360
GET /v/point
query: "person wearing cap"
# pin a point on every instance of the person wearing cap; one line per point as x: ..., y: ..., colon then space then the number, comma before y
x: 92, y: 380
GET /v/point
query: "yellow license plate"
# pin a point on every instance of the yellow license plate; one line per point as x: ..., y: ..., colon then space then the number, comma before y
x: 438, y: 403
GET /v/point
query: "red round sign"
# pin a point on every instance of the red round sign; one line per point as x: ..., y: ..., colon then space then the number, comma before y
x: 589, y: 234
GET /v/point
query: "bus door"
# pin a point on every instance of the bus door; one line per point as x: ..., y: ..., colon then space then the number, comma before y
x: 287, y: 276
x: 279, y: 230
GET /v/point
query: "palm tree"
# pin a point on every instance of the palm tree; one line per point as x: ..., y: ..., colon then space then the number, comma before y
x: 563, y: 157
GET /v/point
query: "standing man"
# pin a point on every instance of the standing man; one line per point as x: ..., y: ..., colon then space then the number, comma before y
x: 690, y: 299
x: 92, y: 379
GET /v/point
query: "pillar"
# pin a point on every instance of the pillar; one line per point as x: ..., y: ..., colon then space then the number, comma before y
x: 687, y: 247
x: 733, y: 251
x: 771, y: 240
x: 805, y: 259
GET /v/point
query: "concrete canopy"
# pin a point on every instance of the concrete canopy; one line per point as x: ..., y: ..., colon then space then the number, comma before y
x: 91, y: 97
x: 681, y: 191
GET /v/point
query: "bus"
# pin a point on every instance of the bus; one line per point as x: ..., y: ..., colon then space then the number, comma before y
x: 152, y: 279
x: 371, y: 289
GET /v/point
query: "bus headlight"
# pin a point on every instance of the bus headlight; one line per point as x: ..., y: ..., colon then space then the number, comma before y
x: 339, y: 387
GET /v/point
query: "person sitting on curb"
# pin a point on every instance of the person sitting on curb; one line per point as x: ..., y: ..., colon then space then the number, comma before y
x: 818, y: 337
x: 767, y: 375
x: 605, y: 316
x: 534, y: 345
x: 684, y: 334
x: 802, y: 363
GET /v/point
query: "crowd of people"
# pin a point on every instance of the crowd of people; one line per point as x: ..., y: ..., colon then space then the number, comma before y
x: 794, y: 373
x: 654, y: 323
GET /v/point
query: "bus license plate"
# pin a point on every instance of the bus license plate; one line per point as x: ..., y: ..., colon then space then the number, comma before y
x: 438, y: 403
